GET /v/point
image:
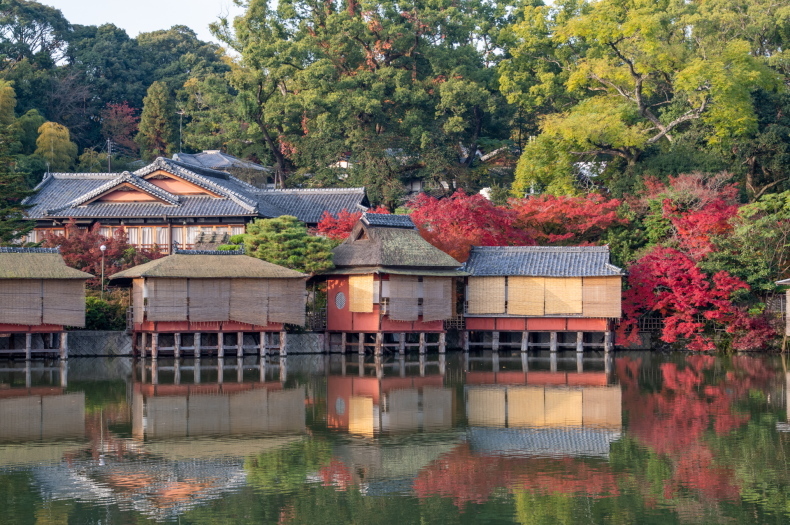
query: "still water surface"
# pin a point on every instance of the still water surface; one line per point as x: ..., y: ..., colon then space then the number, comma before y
x: 475, y: 438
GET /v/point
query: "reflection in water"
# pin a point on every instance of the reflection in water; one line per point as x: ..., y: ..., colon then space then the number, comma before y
x: 508, y: 437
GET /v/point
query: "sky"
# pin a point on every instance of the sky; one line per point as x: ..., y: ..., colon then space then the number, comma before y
x: 140, y: 16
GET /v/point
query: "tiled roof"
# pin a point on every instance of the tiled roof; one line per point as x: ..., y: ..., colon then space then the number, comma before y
x: 308, y: 205
x: 36, y: 263
x: 217, y: 266
x: 387, y: 221
x: 63, y: 195
x: 386, y: 246
x: 545, y: 261
x: 215, y: 159
x: 125, y: 178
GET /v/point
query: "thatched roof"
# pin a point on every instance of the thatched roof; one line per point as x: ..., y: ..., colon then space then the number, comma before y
x: 36, y: 263
x: 209, y: 265
x: 381, y: 240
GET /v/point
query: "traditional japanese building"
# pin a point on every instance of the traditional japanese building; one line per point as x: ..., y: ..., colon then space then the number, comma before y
x: 389, y: 287
x: 39, y: 296
x: 196, y: 300
x: 532, y: 291
x: 170, y: 202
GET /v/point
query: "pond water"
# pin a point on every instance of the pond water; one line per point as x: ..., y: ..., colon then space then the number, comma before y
x: 463, y: 438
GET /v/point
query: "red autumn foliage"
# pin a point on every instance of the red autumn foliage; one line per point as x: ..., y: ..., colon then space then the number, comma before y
x: 675, y: 420
x: 456, y: 223
x: 670, y: 283
x: 80, y: 249
x: 467, y: 477
x: 566, y: 220
x: 119, y: 123
x: 669, y: 279
x: 338, y: 228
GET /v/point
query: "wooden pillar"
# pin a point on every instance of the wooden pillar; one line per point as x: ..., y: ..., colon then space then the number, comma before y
x: 220, y: 345
x: 196, y: 370
x: 524, y: 363
x: 361, y: 343
x: 262, y: 370
x: 580, y: 342
x: 64, y: 345
x: 343, y: 343
x: 177, y: 372
x: 442, y: 364
x: 422, y: 365
x: 220, y: 370
x: 143, y: 343
x: 239, y: 344
x: 177, y: 345
x: 379, y: 344
x: 343, y: 364
x: 442, y: 343
x: 495, y: 361
x: 465, y: 337
x: 379, y: 367
x: 495, y: 341
x: 422, y: 342
x: 524, y: 341
x: 283, y: 370
x: 28, y: 375
x: 553, y: 341
x: 607, y: 341
x: 402, y: 343
x: 361, y: 364
x: 28, y: 345
x: 262, y: 345
x: 196, y: 344
x: 239, y: 370
x: 402, y: 365
x: 283, y: 342
x: 154, y: 369
x: 64, y: 374
x: 553, y: 362
x: 155, y: 345
x: 579, y: 362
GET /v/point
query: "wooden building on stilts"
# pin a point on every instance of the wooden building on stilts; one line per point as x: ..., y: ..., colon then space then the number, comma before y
x: 389, y: 289
x: 523, y: 296
x: 204, y: 302
x: 39, y: 296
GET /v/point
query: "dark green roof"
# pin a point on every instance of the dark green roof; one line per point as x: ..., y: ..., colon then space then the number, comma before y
x: 370, y: 245
x: 36, y: 263
x: 209, y: 265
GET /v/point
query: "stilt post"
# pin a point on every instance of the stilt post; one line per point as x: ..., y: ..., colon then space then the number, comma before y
x: 197, y: 345
x: 495, y: 341
x: 283, y: 342
x: 553, y: 341
x: 239, y: 344
x: 524, y: 341
x: 442, y: 343
x: 220, y: 345
x: 361, y: 343
x: 402, y: 343
x: 155, y: 345
x: 422, y: 342
x: 580, y: 342
x: 177, y: 345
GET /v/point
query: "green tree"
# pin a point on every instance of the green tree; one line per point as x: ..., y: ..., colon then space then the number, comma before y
x: 13, y: 190
x: 157, y: 131
x: 55, y: 146
x: 286, y: 241
x: 622, y: 76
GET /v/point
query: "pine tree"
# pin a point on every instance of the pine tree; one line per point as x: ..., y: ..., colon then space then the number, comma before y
x: 13, y: 224
x: 157, y: 130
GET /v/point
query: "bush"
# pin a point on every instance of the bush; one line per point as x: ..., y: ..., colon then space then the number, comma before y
x: 104, y: 315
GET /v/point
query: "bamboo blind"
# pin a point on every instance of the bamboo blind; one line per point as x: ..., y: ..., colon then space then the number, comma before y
x: 360, y: 291
x: 64, y: 302
x: 563, y: 295
x: 137, y: 300
x: 526, y: 295
x: 437, y: 301
x: 404, y: 298
x: 209, y: 300
x: 486, y: 295
x: 167, y: 299
x: 286, y: 301
x: 601, y: 297
x: 20, y: 301
x: 249, y: 301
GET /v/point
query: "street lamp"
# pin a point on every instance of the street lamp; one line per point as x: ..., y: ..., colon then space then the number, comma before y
x: 103, y: 248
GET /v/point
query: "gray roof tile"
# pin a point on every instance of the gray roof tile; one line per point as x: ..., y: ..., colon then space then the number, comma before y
x: 61, y: 195
x: 542, y: 261
x: 387, y: 221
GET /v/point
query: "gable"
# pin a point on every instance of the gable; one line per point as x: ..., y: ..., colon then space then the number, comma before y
x: 125, y: 193
x: 176, y: 185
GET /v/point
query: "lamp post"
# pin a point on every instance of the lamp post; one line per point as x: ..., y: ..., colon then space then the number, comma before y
x: 103, y: 248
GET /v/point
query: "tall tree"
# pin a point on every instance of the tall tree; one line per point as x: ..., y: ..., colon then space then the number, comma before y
x: 54, y: 145
x: 31, y: 30
x: 286, y: 241
x: 13, y: 190
x: 119, y: 124
x: 157, y: 136
x: 624, y: 75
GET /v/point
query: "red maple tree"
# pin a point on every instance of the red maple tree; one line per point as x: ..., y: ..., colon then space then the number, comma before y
x: 456, y: 223
x: 80, y: 248
x: 119, y: 123
x: 566, y: 220
x: 340, y: 226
